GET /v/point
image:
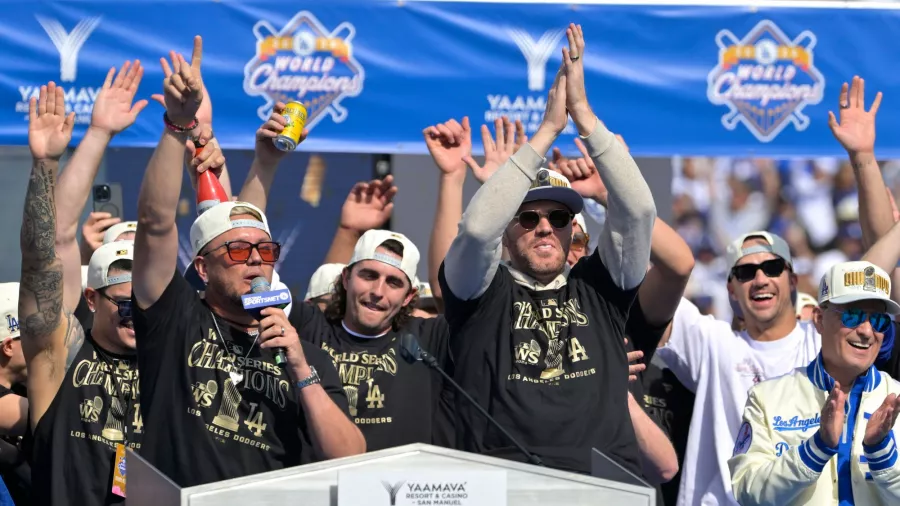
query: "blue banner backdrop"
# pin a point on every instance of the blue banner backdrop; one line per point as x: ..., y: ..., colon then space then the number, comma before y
x: 672, y: 79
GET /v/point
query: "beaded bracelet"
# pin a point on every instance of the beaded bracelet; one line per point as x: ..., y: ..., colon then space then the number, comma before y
x: 179, y: 129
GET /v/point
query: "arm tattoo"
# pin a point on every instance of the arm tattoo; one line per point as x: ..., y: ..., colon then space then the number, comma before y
x: 41, y: 290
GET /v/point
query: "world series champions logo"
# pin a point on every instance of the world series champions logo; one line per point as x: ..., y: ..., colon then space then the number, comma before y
x: 765, y: 79
x: 306, y: 63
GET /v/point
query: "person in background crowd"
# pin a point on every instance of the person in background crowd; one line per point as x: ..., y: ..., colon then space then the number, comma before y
x: 223, y: 424
x: 426, y: 307
x: 562, y: 328
x: 852, y: 456
x: 804, y: 306
x: 73, y: 420
x: 14, y: 470
x: 580, y: 240
x: 720, y: 365
x: 322, y: 283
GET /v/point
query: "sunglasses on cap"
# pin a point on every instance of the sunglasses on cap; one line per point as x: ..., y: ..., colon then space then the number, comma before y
x: 580, y: 241
x: 558, y: 218
x: 771, y: 268
x: 854, y: 317
x: 123, y: 306
x: 239, y: 251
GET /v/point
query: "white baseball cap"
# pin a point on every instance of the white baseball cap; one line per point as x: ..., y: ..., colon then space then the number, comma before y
x: 322, y: 281
x: 803, y: 300
x: 217, y: 220
x: 551, y: 185
x: 113, y: 232
x: 579, y: 219
x: 9, y: 310
x: 103, y: 257
x: 776, y: 245
x: 371, y: 240
x: 848, y: 282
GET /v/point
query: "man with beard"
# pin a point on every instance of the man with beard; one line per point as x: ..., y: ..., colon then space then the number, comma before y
x: 720, y: 365
x: 393, y: 402
x: 538, y: 344
x: 83, y: 400
x: 217, y: 405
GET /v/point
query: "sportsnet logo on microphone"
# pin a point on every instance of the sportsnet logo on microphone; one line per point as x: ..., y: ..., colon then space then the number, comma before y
x: 68, y: 43
x: 765, y: 79
x: 304, y: 62
x: 266, y: 299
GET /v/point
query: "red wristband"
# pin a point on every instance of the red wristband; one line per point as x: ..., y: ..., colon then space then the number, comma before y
x: 177, y: 128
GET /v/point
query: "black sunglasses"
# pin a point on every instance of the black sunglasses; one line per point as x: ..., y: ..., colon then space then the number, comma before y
x: 853, y: 317
x: 771, y: 268
x: 558, y: 218
x: 123, y: 307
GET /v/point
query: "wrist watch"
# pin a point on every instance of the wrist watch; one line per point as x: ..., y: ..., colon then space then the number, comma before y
x: 313, y: 379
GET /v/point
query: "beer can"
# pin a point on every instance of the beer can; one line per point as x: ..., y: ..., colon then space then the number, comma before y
x: 295, y: 114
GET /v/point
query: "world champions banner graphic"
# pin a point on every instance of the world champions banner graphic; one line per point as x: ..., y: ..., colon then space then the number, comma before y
x: 691, y: 80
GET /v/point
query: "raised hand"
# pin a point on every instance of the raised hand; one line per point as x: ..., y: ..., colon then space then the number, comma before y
x: 266, y: 152
x: 113, y: 108
x: 95, y: 227
x: 49, y: 127
x: 882, y: 420
x: 635, y: 366
x: 576, y: 96
x: 856, y: 129
x: 555, y: 114
x: 183, y: 88
x: 832, y: 423
x: 583, y: 175
x: 449, y: 144
x: 369, y: 205
x: 521, y: 137
x: 210, y: 156
x: 495, y: 153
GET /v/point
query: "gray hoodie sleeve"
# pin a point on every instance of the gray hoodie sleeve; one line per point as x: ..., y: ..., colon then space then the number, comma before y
x: 473, y: 257
x: 624, y: 244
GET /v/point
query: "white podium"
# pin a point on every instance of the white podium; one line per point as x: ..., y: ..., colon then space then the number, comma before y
x: 317, y: 484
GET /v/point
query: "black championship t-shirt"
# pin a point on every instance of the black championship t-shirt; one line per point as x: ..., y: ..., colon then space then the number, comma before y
x: 216, y: 405
x: 550, y: 366
x: 392, y: 401
x: 96, y: 408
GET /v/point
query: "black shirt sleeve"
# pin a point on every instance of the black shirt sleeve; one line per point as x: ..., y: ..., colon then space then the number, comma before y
x: 644, y: 336
x: 84, y: 315
x: 309, y: 322
x: 596, y: 275
x: 161, y: 331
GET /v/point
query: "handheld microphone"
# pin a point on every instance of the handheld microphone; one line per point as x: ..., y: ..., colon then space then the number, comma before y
x: 412, y: 352
x: 262, y: 296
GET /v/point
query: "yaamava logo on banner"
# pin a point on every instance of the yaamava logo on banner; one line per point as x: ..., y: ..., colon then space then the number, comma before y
x: 68, y: 44
x: 304, y: 62
x: 765, y: 79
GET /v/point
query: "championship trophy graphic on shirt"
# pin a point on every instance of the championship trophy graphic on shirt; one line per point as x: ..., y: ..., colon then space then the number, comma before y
x: 352, y: 394
x: 228, y: 410
x: 114, y: 417
x: 554, y: 359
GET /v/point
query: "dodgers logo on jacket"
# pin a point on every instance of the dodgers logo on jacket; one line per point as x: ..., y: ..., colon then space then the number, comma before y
x: 744, y: 438
x: 765, y: 80
x: 304, y: 62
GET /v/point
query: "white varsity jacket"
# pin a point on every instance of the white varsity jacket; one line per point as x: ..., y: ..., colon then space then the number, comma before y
x: 780, y: 460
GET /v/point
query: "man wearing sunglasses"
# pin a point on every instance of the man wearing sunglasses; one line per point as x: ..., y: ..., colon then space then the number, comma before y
x: 720, y: 365
x: 580, y: 240
x: 825, y: 432
x: 538, y: 344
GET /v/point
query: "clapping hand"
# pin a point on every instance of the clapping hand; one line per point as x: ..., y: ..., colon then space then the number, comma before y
x: 856, y: 129
x: 882, y: 420
x: 49, y: 127
x: 832, y: 423
x: 113, y: 108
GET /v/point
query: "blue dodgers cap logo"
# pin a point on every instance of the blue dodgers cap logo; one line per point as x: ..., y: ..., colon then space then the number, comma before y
x: 744, y: 438
x: 765, y: 79
x: 266, y: 299
x: 306, y: 63
x: 781, y: 424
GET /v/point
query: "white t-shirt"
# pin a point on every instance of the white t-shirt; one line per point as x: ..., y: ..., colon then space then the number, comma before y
x: 719, y: 366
